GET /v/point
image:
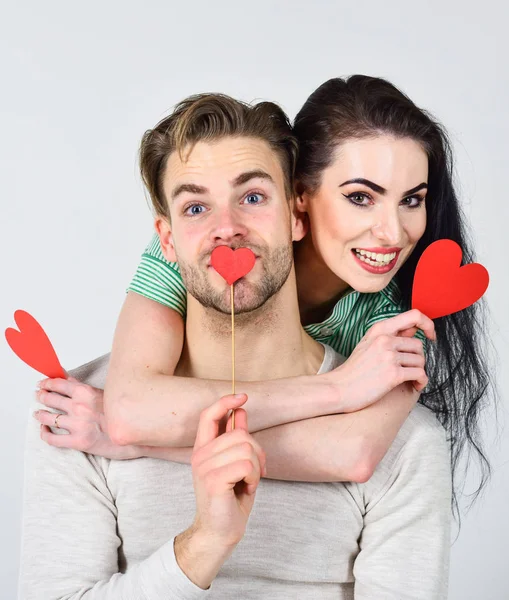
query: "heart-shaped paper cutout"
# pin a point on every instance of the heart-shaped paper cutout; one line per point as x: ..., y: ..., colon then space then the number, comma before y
x: 32, y: 345
x: 441, y: 286
x: 232, y: 264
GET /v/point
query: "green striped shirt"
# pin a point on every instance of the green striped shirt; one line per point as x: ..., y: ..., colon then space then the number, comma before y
x: 351, y: 317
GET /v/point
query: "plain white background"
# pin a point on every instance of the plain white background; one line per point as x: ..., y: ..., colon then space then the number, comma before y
x: 80, y: 83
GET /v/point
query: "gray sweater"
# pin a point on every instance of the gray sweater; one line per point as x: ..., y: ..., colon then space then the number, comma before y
x: 100, y: 529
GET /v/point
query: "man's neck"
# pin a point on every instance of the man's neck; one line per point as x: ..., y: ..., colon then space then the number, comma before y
x: 269, y: 342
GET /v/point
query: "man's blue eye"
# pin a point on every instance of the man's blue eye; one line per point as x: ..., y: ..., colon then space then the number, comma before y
x: 254, y: 198
x: 193, y: 210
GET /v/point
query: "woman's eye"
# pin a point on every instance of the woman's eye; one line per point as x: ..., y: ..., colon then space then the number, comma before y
x: 359, y: 198
x: 194, y: 209
x: 412, y: 201
x: 253, y: 198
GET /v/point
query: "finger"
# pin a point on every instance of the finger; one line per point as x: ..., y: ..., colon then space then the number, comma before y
x: 225, y: 478
x: 241, y: 424
x: 406, y: 320
x: 230, y: 455
x: 54, y: 439
x: 60, y: 386
x: 410, y: 345
x: 408, y: 332
x: 211, y: 417
x: 53, y: 400
x: 416, y: 376
x: 408, y: 359
x: 223, y: 442
x: 240, y: 420
x: 48, y: 418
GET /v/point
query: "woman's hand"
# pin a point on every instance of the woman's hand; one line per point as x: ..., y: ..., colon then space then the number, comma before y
x: 386, y: 357
x: 83, y: 417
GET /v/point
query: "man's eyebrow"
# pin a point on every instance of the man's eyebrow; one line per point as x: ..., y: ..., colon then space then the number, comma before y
x: 380, y: 190
x: 248, y: 175
x: 192, y: 188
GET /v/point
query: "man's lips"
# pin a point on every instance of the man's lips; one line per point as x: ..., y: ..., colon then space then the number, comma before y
x: 257, y: 256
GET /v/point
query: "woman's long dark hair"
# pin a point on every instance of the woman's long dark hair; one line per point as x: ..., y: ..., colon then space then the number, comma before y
x: 362, y: 107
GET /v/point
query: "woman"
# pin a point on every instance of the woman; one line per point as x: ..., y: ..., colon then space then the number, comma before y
x: 374, y: 178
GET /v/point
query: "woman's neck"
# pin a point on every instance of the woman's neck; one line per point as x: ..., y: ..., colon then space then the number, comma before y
x: 318, y: 288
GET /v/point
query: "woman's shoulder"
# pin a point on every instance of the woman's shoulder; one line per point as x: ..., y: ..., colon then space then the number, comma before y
x: 153, y: 251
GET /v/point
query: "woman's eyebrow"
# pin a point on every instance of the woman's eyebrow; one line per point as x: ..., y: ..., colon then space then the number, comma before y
x: 417, y: 188
x: 374, y: 186
x: 381, y: 190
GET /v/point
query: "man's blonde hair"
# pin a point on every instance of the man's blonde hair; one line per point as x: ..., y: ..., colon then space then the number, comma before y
x: 210, y: 117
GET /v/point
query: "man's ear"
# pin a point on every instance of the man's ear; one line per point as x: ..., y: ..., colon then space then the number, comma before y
x: 163, y: 229
x: 302, y: 201
x: 300, y: 220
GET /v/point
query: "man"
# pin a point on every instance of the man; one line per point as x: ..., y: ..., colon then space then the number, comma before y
x: 98, y: 528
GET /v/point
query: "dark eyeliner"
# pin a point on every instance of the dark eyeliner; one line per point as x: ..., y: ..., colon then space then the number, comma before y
x: 349, y: 198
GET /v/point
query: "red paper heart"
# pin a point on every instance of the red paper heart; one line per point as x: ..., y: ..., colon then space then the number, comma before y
x: 32, y: 345
x: 232, y: 264
x: 441, y: 286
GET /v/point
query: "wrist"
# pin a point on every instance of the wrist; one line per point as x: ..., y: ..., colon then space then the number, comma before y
x: 331, y: 386
x: 200, y: 556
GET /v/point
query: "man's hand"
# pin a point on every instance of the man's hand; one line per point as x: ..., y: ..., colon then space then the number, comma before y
x: 226, y: 471
x: 386, y: 357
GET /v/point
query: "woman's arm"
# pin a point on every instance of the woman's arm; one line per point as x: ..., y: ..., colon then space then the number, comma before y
x: 345, y: 447
x: 146, y: 405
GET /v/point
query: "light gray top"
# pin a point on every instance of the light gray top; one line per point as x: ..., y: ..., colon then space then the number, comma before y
x: 99, y: 529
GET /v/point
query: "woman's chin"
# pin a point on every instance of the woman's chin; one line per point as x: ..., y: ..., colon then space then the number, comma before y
x: 367, y: 283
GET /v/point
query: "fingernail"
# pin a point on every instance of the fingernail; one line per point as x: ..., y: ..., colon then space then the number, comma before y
x: 239, y: 396
x: 35, y: 413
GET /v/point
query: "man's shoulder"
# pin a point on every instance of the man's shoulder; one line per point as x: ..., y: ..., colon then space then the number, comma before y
x: 421, y: 443
x: 422, y: 424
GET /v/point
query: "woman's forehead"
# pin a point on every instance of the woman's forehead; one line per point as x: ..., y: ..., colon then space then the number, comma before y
x: 383, y: 159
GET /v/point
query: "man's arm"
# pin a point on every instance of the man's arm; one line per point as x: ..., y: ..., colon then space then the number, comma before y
x: 405, y: 541
x: 69, y: 535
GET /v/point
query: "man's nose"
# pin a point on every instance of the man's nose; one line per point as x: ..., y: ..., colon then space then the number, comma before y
x: 229, y: 226
x: 387, y: 227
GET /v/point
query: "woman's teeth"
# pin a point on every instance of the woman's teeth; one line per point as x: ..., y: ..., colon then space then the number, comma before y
x: 374, y: 259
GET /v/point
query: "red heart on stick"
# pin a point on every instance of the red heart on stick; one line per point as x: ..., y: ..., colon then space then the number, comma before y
x: 232, y: 264
x: 441, y: 286
x: 32, y: 345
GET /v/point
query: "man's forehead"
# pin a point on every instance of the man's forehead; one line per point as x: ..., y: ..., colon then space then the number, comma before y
x: 227, y: 157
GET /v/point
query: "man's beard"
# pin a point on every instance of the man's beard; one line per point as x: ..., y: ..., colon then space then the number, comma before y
x: 276, y: 267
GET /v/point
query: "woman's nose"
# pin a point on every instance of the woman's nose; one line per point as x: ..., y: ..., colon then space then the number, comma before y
x: 388, y: 229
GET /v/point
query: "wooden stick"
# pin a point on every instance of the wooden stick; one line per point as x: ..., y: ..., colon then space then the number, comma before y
x: 233, y: 350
